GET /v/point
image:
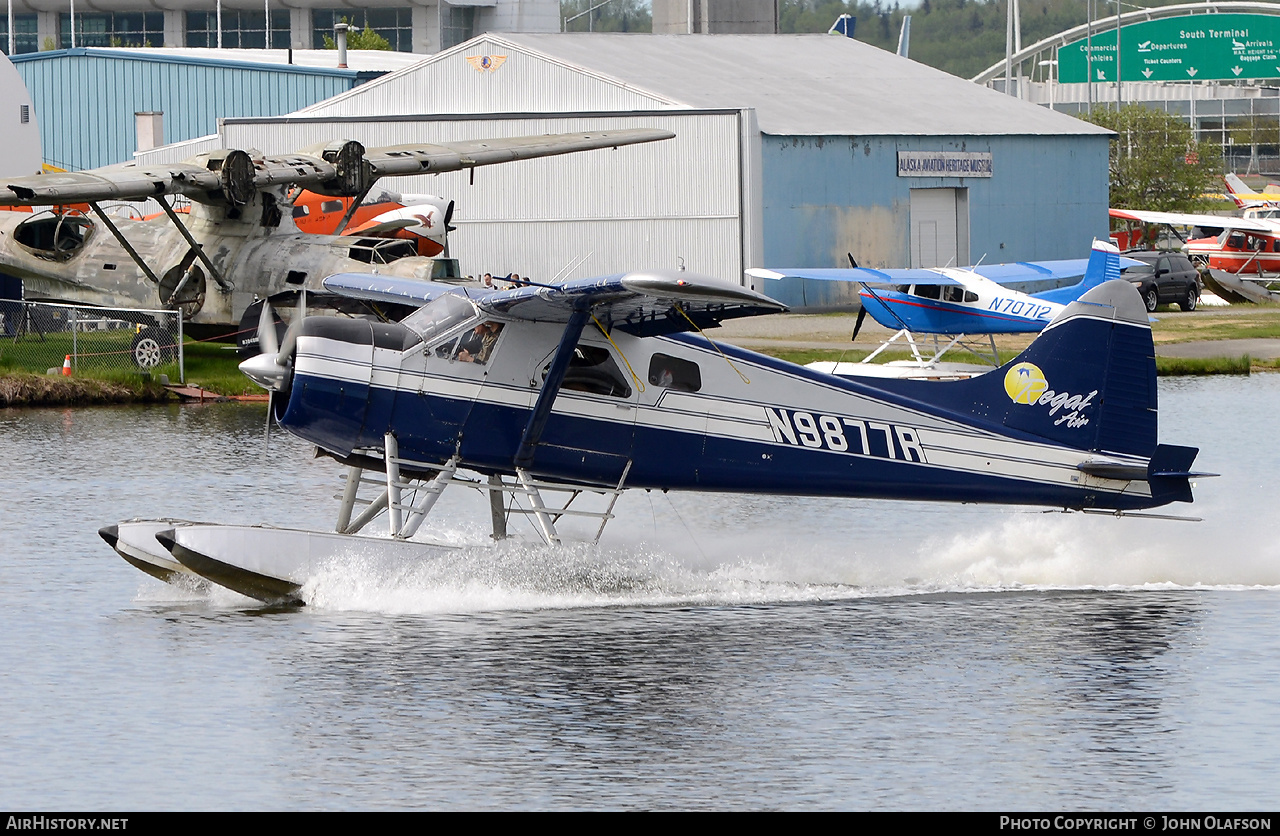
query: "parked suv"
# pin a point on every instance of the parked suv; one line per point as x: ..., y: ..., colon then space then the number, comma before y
x: 1164, y: 278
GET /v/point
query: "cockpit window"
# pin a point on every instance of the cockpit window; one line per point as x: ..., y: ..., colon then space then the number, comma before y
x: 57, y: 237
x: 439, y: 315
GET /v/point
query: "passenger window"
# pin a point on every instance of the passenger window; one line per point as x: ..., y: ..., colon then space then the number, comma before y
x: 594, y: 371
x: 331, y: 206
x: 970, y: 296
x: 953, y: 293
x: 928, y: 291
x: 674, y: 373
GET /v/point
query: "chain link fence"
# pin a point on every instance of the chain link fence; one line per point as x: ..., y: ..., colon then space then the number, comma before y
x: 37, y: 336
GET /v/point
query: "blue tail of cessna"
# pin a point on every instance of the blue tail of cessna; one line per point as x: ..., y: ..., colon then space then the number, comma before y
x: 1104, y: 265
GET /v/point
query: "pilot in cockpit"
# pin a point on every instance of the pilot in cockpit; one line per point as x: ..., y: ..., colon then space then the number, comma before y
x: 477, y: 346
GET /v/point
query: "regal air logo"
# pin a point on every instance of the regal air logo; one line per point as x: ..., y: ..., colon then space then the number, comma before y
x: 1024, y: 383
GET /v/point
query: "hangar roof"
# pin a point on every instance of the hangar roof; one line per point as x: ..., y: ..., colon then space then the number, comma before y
x: 803, y: 85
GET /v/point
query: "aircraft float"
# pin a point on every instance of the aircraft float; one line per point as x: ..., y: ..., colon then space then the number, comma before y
x: 609, y: 384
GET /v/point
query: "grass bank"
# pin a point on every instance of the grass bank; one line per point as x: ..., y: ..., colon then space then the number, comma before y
x: 213, y: 366
x: 25, y: 389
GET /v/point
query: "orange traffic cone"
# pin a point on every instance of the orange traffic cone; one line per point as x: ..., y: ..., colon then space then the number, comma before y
x: 66, y: 366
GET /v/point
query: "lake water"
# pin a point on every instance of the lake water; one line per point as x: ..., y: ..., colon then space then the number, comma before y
x: 713, y: 652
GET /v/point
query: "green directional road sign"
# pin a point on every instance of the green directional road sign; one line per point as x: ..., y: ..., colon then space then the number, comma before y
x: 1188, y: 48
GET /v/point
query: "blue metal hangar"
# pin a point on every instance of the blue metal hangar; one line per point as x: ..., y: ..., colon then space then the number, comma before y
x: 97, y: 106
x: 790, y: 150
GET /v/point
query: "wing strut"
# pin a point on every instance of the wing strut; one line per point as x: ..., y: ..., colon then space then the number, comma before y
x: 551, y: 386
x: 351, y: 210
x: 199, y: 251
x: 124, y: 242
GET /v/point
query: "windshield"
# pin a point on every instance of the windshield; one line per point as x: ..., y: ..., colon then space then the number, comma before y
x: 439, y: 315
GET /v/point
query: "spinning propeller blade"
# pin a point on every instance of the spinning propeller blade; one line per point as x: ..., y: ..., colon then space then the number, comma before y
x: 267, y: 330
x: 291, y: 336
x: 271, y: 368
x: 857, y: 326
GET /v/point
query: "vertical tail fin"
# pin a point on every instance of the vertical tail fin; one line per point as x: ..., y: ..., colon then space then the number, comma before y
x: 1088, y: 381
x: 1237, y: 189
x: 1104, y: 265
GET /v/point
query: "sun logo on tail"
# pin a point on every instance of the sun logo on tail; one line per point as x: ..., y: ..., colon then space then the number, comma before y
x: 1025, y: 383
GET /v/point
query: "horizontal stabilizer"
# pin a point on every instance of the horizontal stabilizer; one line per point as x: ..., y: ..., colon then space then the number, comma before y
x: 1170, y: 473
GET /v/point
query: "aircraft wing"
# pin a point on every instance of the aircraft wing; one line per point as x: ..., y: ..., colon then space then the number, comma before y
x: 1018, y: 271
x: 417, y: 159
x: 342, y: 169
x: 644, y: 303
x: 1189, y: 219
x: 372, y: 287
x: 641, y: 303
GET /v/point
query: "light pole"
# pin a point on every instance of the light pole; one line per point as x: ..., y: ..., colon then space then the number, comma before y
x: 1050, y: 66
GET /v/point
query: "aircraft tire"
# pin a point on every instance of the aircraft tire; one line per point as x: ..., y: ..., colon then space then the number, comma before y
x: 1193, y: 298
x: 151, y: 348
x: 1152, y: 300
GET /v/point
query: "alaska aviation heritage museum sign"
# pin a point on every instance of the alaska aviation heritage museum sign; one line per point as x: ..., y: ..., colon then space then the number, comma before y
x: 1188, y: 48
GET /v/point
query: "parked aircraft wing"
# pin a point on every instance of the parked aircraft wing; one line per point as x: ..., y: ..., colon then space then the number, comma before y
x: 418, y: 159
x: 344, y: 169
x: 120, y: 182
x: 1019, y: 271
x: 1189, y: 219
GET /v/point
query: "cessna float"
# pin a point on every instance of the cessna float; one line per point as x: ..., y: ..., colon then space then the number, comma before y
x: 610, y: 384
x: 240, y: 242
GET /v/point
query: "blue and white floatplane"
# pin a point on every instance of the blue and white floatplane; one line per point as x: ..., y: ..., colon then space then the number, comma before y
x: 611, y: 383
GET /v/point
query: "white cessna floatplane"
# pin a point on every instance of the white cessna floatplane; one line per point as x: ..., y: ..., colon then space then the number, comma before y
x: 607, y: 384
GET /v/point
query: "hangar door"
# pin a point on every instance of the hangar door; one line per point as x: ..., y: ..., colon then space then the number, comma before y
x: 939, y: 227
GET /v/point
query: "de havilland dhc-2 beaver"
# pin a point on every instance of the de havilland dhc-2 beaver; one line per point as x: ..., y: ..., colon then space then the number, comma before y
x: 609, y: 383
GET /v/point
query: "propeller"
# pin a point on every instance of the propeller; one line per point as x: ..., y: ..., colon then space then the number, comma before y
x: 857, y: 326
x: 862, y: 312
x: 271, y: 367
